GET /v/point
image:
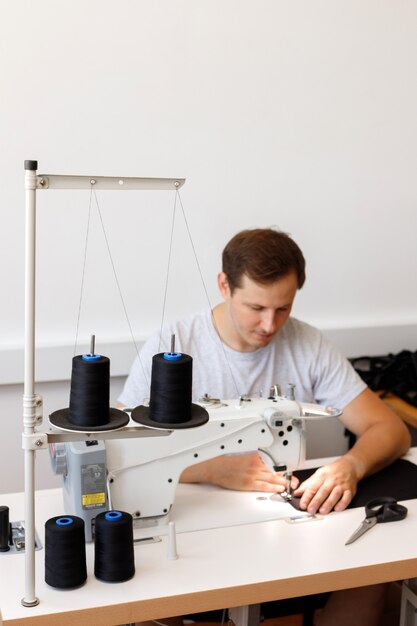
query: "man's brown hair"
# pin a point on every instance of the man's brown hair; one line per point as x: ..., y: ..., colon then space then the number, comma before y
x: 264, y: 255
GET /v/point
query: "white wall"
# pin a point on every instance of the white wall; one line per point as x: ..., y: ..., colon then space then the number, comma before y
x: 295, y: 114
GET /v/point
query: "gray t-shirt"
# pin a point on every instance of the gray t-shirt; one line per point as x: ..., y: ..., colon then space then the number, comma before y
x: 298, y: 354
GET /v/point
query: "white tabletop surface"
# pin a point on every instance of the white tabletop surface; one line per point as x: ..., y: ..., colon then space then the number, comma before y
x: 242, y: 560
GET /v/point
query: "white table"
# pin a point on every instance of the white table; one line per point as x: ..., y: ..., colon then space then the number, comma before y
x: 227, y: 566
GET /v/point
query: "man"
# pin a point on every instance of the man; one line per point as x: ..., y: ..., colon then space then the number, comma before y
x: 249, y: 342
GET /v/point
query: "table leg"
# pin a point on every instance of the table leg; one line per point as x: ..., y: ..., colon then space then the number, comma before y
x: 408, y: 615
x: 249, y: 615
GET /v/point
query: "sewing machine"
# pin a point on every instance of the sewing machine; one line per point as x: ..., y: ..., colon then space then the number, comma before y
x: 139, y: 475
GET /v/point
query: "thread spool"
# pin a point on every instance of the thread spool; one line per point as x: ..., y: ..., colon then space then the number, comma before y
x: 170, y: 403
x: 4, y: 529
x: 89, y: 408
x: 114, y: 558
x: 65, y: 559
x: 90, y: 390
x: 171, y: 385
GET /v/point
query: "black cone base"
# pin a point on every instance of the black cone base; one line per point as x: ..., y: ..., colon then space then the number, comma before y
x: 199, y: 416
x: 117, y: 419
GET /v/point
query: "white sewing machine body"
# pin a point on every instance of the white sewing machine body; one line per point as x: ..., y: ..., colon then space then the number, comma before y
x: 143, y: 471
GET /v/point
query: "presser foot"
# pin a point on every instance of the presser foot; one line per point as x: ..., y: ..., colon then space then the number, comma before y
x: 285, y: 495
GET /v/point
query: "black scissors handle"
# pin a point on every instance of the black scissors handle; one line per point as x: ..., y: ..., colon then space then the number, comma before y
x: 385, y: 509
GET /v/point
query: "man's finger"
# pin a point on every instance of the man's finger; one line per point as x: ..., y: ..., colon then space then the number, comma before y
x: 344, y: 501
x: 333, y: 498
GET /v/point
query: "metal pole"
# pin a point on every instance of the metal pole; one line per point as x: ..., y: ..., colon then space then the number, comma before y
x: 29, y: 400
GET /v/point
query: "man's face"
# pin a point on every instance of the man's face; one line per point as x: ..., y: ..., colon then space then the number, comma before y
x: 256, y: 312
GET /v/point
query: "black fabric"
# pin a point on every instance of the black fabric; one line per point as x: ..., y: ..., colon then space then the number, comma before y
x: 398, y: 480
x: 392, y: 373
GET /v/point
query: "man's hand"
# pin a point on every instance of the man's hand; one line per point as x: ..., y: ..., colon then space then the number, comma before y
x: 382, y: 437
x: 243, y: 472
x: 330, y: 487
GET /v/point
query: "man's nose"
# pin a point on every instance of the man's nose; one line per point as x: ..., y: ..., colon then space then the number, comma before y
x: 268, y: 322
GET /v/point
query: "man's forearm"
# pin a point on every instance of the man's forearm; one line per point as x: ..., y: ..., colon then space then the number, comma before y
x: 379, y: 446
x: 198, y: 473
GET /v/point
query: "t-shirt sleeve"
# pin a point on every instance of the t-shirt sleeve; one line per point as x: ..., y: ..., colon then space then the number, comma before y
x: 335, y: 381
x: 137, y: 385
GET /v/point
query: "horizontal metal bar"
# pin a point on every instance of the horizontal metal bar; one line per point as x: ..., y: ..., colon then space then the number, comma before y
x: 58, y: 181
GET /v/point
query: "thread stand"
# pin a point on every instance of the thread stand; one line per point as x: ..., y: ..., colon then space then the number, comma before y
x: 35, y: 440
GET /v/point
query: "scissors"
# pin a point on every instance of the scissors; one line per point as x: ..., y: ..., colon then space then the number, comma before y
x: 379, y: 510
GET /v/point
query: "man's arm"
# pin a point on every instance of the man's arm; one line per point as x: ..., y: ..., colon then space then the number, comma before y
x: 382, y: 437
x: 243, y: 472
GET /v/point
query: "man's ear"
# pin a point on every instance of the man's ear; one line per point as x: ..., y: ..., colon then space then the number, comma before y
x: 223, y: 285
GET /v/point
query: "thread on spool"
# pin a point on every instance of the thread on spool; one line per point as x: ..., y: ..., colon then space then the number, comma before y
x: 171, y: 388
x: 89, y: 408
x: 114, y: 557
x: 4, y: 529
x: 170, y: 404
x: 65, y: 558
x: 90, y: 391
